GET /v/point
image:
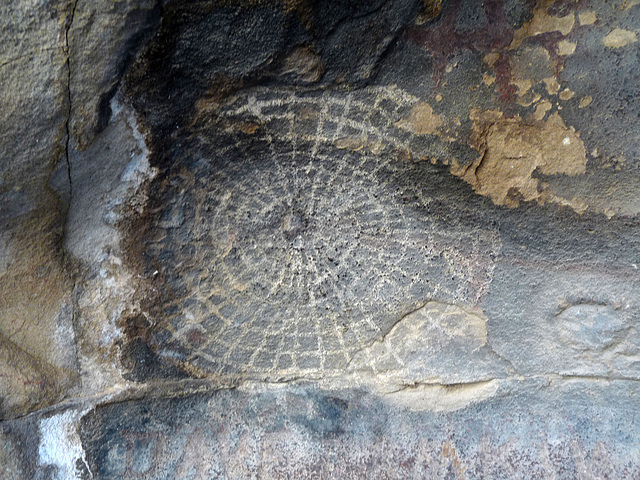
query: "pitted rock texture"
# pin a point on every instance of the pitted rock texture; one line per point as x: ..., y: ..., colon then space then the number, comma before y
x: 301, y: 239
x: 288, y: 257
x: 306, y: 433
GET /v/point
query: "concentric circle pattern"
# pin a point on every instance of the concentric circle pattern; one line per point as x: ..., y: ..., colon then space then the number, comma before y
x: 287, y: 256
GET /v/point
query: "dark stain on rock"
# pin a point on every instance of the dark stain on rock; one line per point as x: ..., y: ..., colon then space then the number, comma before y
x: 140, y: 353
x: 204, y: 51
x: 549, y: 41
x: 327, y: 417
x: 506, y: 89
x: 270, y: 432
x: 445, y: 38
x: 144, y: 333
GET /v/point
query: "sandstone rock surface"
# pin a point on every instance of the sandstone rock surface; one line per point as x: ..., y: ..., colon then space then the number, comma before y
x: 298, y: 239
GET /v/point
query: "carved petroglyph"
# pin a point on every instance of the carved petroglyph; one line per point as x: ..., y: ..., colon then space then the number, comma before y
x: 605, y: 334
x: 383, y: 117
x: 289, y: 256
x: 296, y: 259
x: 389, y: 121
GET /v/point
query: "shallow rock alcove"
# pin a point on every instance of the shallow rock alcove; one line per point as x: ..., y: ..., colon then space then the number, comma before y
x: 298, y: 239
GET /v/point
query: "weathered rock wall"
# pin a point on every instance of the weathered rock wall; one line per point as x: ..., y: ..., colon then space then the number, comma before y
x: 296, y: 239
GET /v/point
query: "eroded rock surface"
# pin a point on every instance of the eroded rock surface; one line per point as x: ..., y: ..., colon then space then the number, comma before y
x: 35, y: 284
x: 297, y: 239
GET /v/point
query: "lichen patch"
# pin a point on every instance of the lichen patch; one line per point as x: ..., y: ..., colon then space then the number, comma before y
x: 566, y: 94
x: 553, y: 87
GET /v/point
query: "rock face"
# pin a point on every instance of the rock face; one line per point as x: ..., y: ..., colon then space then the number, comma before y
x: 36, y: 328
x: 297, y: 239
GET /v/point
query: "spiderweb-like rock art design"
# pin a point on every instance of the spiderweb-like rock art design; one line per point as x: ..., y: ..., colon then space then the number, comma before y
x: 287, y: 253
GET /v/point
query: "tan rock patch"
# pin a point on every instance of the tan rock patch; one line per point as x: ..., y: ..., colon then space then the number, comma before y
x: 358, y: 143
x: 511, y: 150
x: 585, y: 101
x: 28, y: 383
x: 491, y: 58
x: 565, y: 48
x: 421, y: 120
x: 247, y: 127
x: 619, y: 38
x: 528, y: 99
x: 541, y: 23
x: 553, y: 87
x: 541, y: 109
x: 587, y: 18
x: 566, y: 94
x: 488, y: 79
x: 523, y: 86
x: 34, y: 289
x: 305, y: 63
x: 430, y: 10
